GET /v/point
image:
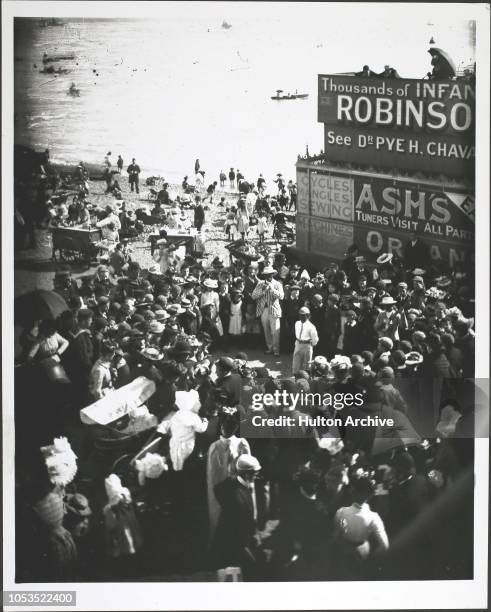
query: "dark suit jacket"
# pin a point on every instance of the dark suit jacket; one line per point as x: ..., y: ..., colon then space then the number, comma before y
x: 417, y: 255
x: 407, y: 500
x: 231, y: 385
x: 236, y: 527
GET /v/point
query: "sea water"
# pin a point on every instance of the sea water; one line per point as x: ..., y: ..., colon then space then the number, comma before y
x: 179, y: 86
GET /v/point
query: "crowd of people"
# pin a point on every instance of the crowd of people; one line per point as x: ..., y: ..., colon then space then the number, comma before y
x: 326, y: 504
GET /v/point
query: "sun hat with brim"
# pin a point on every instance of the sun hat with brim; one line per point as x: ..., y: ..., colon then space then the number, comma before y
x: 387, y: 300
x: 419, y: 272
x: 269, y: 270
x: 320, y: 360
x: 185, y: 302
x: 161, y: 315
x: 155, y: 269
x: 173, y: 328
x: 360, y: 259
x: 385, y: 281
x: 387, y: 343
x: 247, y: 463
x: 443, y: 281
x: 210, y: 283
x: 385, y: 258
x: 151, y: 354
x: 414, y: 358
x: 304, y: 310
x: 77, y: 504
x: 175, y: 309
x: 156, y: 327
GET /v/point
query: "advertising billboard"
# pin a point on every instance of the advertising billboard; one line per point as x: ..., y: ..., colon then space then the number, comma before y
x: 379, y: 215
x: 331, y: 196
x: 407, y: 208
x: 399, y: 123
x: 325, y: 195
x: 329, y: 237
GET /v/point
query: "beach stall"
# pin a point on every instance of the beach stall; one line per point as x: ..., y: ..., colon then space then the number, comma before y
x: 75, y: 244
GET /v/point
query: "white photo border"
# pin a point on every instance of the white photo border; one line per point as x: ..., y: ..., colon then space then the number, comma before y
x: 467, y: 594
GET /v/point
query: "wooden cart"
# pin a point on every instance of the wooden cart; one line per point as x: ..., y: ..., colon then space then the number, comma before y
x: 75, y: 244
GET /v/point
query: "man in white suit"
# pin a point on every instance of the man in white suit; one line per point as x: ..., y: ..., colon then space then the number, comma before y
x: 268, y: 294
x: 306, y: 337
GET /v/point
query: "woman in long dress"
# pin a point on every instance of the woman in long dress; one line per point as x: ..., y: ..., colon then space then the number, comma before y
x: 209, y: 296
x: 242, y: 219
x: 221, y: 463
x: 235, y: 327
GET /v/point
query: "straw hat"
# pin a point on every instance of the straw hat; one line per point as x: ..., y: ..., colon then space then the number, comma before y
x: 443, y: 281
x: 247, y: 463
x: 387, y: 300
x: 151, y: 354
x: 414, y: 358
x: 156, y: 327
x: 385, y: 258
x: 210, y: 283
x: 161, y: 315
x: 175, y: 309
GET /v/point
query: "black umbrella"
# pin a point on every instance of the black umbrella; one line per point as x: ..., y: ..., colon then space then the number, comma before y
x: 39, y: 304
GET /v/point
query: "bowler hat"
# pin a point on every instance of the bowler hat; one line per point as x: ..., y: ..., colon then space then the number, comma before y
x: 78, y: 504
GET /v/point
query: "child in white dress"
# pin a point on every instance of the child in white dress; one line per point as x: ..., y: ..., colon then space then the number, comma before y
x: 235, y: 328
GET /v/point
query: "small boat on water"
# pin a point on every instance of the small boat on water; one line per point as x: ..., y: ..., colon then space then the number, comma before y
x: 47, y: 59
x: 295, y: 96
x: 52, y: 70
x: 225, y: 25
x: 53, y: 21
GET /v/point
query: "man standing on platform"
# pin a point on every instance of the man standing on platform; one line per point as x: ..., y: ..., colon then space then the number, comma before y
x: 134, y: 175
x: 306, y: 337
x: 268, y: 294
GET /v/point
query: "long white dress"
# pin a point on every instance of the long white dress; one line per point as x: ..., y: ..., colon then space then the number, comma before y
x: 211, y: 297
x: 235, y: 325
x: 222, y: 458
